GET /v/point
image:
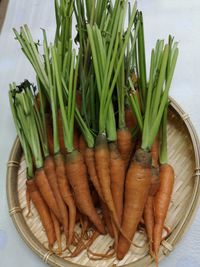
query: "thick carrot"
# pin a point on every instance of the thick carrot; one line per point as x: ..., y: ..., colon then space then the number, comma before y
x: 77, y: 175
x: 136, y: 192
x: 50, y: 170
x: 49, y: 130
x: 66, y: 194
x: 60, y: 133
x: 125, y: 144
x: 28, y: 202
x: 117, y: 174
x: 161, y: 204
x: 57, y: 232
x: 43, y: 211
x: 46, y: 192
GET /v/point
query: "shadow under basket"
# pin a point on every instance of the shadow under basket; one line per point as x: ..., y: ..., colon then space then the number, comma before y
x: 184, y: 155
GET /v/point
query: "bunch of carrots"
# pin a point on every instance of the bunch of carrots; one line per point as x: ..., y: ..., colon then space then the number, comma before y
x: 94, y: 129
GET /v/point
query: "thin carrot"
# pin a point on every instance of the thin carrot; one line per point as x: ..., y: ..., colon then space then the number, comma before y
x: 46, y: 192
x: 107, y: 219
x: 77, y: 175
x: 149, y: 209
x: 161, y: 204
x: 137, y: 185
x: 90, y: 163
x: 50, y: 170
x: 57, y: 232
x: 28, y: 202
x: 117, y: 174
x: 43, y: 211
x: 66, y: 194
x: 125, y: 144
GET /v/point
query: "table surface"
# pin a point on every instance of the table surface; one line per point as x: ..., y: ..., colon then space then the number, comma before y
x: 180, y: 18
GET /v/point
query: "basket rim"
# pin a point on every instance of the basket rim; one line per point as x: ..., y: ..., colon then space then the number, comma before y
x: 54, y: 260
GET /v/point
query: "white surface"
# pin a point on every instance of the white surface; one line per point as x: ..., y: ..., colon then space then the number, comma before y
x: 178, y: 17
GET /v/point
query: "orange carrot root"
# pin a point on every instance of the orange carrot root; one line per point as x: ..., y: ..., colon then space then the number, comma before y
x: 117, y: 173
x: 155, y: 152
x: 77, y: 175
x: 130, y: 118
x: 46, y: 192
x: 82, y: 144
x: 161, y: 204
x: 57, y: 232
x: 66, y: 194
x: 107, y: 219
x: 125, y: 144
x: 43, y: 211
x: 28, y: 203
x: 136, y: 192
x: 52, y: 173
x: 76, y: 138
x: 90, y: 163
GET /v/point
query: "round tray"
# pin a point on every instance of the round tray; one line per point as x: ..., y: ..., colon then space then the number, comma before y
x: 184, y: 155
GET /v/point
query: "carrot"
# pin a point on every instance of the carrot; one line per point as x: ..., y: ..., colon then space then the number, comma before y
x: 49, y: 130
x: 161, y: 204
x: 102, y: 159
x: 117, y: 174
x: 60, y: 133
x: 57, y: 232
x: 77, y: 175
x: 66, y: 194
x: 149, y: 209
x: 50, y: 170
x: 136, y: 191
x: 82, y: 144
x: 43, y: 211
x: 155, y: 152
x: 129, y: 118
x: 90, y: 163
x: 107, y: 219
x: 46, y: 192
x: 125, y: 144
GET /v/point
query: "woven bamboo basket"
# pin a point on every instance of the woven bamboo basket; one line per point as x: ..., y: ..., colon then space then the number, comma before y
x: 184, y: 155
